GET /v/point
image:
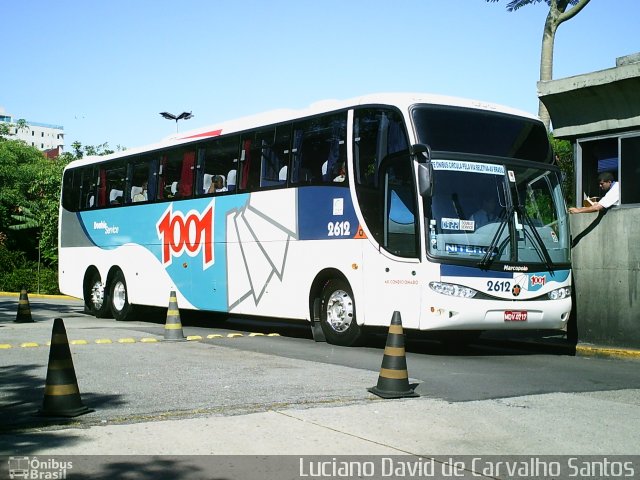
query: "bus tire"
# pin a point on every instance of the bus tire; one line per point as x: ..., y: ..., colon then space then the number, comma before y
x: 96, y: 298
x: 121, y: 309
x: 338, y: 314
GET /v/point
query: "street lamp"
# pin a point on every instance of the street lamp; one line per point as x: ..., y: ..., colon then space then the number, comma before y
x: 182, y: 116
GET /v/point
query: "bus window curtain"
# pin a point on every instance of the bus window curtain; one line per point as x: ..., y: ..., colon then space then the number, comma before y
x: 296, y: 159
x: 102, y: 188
x: 161, y: 180
x: 359, y: 174
x: 185, y: 188
x: 244, y: 178
x: 270, y: 165
x: 382, y: 147
x: 334, y: 154
x: 152, y: 180
x: 128, y: 183
x: 200, y: 172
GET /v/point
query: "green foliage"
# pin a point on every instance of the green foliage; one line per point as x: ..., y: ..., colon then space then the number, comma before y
x: 80, y: 151
x: 516, y: 4
x: 29, y: 200
x: 564, y: 159
x: 16, y: 273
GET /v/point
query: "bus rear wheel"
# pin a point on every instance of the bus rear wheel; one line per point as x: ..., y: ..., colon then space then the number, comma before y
x: 95, y: 297
x: 121, y: 309
x: 338, y: 314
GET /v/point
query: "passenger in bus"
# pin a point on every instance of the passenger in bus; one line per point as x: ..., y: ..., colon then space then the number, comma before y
x: 217, y: 185
x: 341, y: 173
x: 140, y: 194
x: 488, y: 213
x: 171, y: 191
x: 115, y: 197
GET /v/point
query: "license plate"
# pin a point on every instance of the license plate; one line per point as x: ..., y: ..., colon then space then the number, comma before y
x: 515, y: 316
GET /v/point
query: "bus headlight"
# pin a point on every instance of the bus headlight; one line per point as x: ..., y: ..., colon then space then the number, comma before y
x: 452, y: 289
x: 559, y: 293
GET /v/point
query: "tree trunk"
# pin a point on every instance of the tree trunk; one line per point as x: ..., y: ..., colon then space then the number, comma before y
x: 546, y: 59
x: 558, y: 14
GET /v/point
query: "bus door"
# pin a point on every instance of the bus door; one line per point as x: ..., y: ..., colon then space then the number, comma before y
x: 391, y: 275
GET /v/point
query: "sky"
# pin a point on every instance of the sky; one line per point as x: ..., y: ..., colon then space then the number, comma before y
x: 104, y: 70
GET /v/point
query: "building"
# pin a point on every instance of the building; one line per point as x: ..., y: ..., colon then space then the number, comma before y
x: 43, y: 136
x: 599, y: 113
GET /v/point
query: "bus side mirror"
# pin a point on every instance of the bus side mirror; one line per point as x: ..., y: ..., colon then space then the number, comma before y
x: 421, y: 152
x: 425, y: 179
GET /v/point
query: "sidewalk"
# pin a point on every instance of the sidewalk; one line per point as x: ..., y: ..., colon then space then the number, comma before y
x: 555, y: 424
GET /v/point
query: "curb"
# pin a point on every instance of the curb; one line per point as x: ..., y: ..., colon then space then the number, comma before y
x: 567, y: 348
x: 589, y: 350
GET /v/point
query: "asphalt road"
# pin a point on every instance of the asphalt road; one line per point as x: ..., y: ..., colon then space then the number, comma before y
x: 127, y: 373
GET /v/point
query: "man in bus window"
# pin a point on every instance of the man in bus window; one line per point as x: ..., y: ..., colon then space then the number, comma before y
x: 141, y: 196
x: 487, y: 213
x: 217, y: 185
x: 611, y: 190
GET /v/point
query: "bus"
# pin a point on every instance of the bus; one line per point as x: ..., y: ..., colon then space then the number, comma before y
x: 339, y: 215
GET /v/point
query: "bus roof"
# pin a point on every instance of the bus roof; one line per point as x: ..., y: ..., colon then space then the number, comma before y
x: 401, y: 100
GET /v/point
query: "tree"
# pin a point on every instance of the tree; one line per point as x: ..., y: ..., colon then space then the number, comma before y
x: 5, y: 128
x: 22, y: 124
x: 80, y: 151
x: 29, y: 199
x: 559, y: 12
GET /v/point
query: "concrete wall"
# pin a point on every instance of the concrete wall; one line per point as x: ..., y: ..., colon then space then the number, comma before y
x: 606, y: 274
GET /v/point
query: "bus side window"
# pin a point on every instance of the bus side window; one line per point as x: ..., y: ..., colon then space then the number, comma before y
x: 176, y: 181
x: 72, y: 194
x: 141, y: 176
x: 318, y: 148
x: 217, y: 158
x: 377, y: 133
x: 112, y: 183
x: 88, y: 187
x: 275, y: 158
x: 257, y: 150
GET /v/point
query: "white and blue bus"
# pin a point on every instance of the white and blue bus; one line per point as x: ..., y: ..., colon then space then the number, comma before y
x: 446, y: 210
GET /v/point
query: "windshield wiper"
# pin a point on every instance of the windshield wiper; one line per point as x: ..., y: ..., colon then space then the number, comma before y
x: 536, y: 239
x: 487, y: 259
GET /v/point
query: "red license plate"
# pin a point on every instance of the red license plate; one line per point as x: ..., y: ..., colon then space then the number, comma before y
x: 515, y: 316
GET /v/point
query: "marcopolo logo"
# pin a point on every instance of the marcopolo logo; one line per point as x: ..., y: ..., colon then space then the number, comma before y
x: 190, y: 233
x: 26, y: 467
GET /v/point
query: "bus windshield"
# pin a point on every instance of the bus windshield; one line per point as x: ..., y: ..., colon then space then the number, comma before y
x: 493, y: 214
x: 495, y: 200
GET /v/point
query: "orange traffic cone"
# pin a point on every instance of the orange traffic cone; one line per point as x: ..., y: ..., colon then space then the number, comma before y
x: 393, y: 381
x: 24, y: 310
x: 173, y: 327
x: 61, y: 393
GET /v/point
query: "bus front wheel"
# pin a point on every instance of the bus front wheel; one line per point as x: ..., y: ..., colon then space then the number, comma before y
x: 338, y: 316
x: 95, y: 297
x: 119, y: 298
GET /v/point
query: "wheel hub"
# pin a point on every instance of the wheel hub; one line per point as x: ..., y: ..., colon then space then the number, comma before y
x: 97, y: 295
x: 119, y: 296
x: 340, y: 311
